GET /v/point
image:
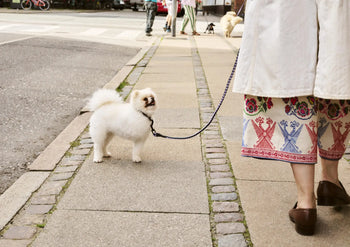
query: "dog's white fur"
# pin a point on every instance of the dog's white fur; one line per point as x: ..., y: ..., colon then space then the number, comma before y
x: 113, y: 116
x: 229, y: 21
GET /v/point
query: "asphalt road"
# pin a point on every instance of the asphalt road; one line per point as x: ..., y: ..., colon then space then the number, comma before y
x: 44, y: 82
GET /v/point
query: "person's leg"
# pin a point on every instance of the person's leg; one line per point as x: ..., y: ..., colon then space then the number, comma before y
x: 304, y: 178
x: 185, y: 20
x: 330, y: 191
x: 304, y: 213
x: 148, y: 17
x: 153, y: 12
x: 192, y: 17
x: 170, y: 11
x: 330, y: 171
x: 169, y: 19
x: 333, y: 137
x: 166, y: 23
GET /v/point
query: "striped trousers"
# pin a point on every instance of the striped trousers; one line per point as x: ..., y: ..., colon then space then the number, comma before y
x: 190, y: 15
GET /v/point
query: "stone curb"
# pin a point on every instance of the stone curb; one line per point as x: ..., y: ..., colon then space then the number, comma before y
x: 22, y: 219
x: 226, y: 216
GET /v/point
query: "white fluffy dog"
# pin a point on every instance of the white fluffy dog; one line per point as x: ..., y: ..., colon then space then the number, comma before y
x: 112, y: 116
x: 229, y: 21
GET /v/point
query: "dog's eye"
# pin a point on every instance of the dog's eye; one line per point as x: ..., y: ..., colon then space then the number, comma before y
x: 145, y: 99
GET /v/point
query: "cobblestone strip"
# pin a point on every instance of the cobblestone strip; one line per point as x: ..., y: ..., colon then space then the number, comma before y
x: 32, y: 218
x: 226, y: 215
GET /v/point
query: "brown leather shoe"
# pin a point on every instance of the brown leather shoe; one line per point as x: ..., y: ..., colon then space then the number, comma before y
x: 330, y: 194
x: 304, y: 220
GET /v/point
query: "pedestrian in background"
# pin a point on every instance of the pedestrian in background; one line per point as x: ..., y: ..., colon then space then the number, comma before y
x: 151, y: 10
x: 169, y: 4
x: 190, y: 16
x: 297, y: 94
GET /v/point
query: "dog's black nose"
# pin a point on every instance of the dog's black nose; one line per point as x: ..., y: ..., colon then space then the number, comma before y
x: 150, y: 101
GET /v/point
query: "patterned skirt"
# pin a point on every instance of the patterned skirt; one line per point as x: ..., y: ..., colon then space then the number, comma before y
x: 295, y: 129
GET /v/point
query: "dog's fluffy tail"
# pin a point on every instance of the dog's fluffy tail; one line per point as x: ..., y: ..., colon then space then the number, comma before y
x: 102, y: 97
x: 236, y: 20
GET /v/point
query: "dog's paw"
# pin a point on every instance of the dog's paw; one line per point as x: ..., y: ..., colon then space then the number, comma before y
x: 98, y: 160
x: 107, y: 155
x: 136, y: 159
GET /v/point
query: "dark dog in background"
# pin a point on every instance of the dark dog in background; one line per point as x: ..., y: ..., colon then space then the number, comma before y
x: 210, y: 28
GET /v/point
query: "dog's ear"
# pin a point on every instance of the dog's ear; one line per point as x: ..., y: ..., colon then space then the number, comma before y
x: 135, y: 93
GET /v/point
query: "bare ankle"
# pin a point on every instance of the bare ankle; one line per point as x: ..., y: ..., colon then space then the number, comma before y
x: 306, y: 201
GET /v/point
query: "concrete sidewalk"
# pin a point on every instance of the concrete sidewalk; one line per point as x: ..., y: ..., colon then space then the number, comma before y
x: 196, y: 192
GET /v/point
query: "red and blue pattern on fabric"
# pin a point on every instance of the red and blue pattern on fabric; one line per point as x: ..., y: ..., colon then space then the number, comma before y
x: 295, y: 129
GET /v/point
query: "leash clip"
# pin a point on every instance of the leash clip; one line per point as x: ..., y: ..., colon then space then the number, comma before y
x: 155, y: 134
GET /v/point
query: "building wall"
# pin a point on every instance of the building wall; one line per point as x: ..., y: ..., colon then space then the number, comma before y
x: 220, y: 7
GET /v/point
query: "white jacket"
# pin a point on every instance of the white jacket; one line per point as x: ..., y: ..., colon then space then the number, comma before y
x: 295, y: 48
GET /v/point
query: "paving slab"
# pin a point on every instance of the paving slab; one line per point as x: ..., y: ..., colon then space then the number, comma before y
x: 207, y: 43
x: 231, y: 128
x: 170, y: 65
x: 163, y: 78
x: 176, y: 48
x: 160, y: 149
x: 181, y: 64
x: 235, y: 42
x: 266, y: 205
x: 13, y: 199
x: 14, y: 243
x: 160, y: 87
x: 155, y: 186
x: 177, y: 118
x: 175, y: 51
x: 171, y: 60
x: 232, y: 106
x: 172, y: 69
x: 20, y: 232
x: 127, y: 229
x: 184, y: 97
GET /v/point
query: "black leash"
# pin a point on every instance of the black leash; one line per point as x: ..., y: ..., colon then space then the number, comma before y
x: 156, y: 134
x: 240, y: 9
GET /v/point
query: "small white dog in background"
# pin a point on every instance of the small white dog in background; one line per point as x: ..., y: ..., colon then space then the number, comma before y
x: 113, y: 116
x: 229, y: 21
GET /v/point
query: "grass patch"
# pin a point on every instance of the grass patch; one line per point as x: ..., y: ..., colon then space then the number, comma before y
x: 68, y: 154
x: 75, y: 143
x: 40, y: 225
x: 121, y: 86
